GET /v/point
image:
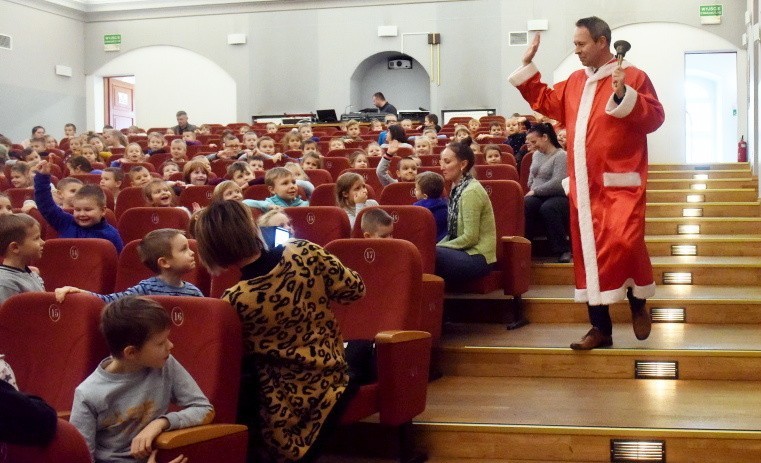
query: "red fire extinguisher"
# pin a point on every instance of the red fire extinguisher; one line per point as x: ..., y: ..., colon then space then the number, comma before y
x: 742, y: 150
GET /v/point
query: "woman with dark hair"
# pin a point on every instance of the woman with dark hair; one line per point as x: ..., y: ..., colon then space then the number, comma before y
x: 546, y: 204
x: 295, y: 380
x: 469, y: 249
x: 38, y: 133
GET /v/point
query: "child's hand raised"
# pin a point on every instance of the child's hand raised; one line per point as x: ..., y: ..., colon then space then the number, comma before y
x: 43, y: 167
x: 393, y: 147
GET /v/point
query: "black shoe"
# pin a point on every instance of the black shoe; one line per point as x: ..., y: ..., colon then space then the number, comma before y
x: 564, y: 258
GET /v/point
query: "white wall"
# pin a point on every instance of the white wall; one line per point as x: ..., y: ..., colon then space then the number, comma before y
x: 406, y: 89
x: 167, y: 79
x: 30, y: 92
x: 663, y: 60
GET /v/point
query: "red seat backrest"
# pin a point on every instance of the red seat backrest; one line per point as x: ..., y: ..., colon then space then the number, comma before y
x: 507, y: 202
x: 319, y: 224
x: 388, y: 267
x: 201, y: 194
x: 51, y: 346
x: 335, y: 165
x: 369, y: 176
x: 496, y: 172
x: 87, y: 263
x: 19, y: 195
x: 324, y: 195
x: 399, y: 194
x: 136, y: 222
x: 412, y: 223
x: 319, y: 176
x: 525, y: 170
x: 126, y: 166
x: 129, y: 197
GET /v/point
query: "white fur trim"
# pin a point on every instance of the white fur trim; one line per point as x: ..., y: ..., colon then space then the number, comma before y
x: 583, y: 202
x: 626, y: 106
x: 522, y: 74
x: 613, y: 179
x: 566, y: 184
x: 615, y: 295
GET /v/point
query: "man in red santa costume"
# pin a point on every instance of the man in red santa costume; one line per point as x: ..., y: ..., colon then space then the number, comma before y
x: 608, y: 109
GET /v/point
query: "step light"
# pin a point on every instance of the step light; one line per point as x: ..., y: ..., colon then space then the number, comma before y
x: 688, y: 229
x: 667, y: 314
x: 696, y: 198
x: 703, y: 167
x: 692, y: 212
x: 700, y: 177
x: 698, y: 186
x: 650, y: 369
x: 635, y: 451
x: 684, y: 250
x: 677, y: 278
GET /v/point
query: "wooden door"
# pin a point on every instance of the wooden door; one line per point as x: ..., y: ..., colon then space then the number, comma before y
x: 120, y: 103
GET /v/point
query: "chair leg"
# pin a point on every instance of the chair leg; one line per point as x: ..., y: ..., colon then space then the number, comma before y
x: 518, y: 319
x: 407, y: 451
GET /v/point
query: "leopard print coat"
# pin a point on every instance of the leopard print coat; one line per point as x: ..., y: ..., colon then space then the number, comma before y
x: 296, y: 343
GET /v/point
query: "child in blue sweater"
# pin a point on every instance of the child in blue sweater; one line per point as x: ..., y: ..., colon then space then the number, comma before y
x: 89, y: 207
x: 282, y: 186
x: 429, y: 186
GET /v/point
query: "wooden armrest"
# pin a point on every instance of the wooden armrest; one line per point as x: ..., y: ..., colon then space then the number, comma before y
x: 187, y: 436
x: 431, y: 277
x: 397, y: 336
x: 64, y: 415
x: 514, y: 239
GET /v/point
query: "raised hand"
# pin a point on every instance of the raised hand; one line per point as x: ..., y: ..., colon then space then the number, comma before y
x: 528, y: 56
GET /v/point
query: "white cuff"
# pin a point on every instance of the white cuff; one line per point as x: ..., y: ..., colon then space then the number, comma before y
x: 626, y: 106
x: 522, y: 74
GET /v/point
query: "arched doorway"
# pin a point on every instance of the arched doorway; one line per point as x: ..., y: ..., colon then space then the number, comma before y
x: 407, y: 89
x: 167, y: 79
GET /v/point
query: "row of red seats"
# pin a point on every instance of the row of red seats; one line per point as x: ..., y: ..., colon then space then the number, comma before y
x: 207, y: 342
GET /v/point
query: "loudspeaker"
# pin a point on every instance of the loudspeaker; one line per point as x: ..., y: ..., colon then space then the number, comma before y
x: 400, y: 63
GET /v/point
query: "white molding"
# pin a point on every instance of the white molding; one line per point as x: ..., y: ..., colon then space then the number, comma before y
x: 72, y: 9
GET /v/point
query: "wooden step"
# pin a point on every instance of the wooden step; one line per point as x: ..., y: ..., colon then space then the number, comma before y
x: 727, y: 209
x: 710, y: 184
x: 704, y: 352
x: 704, y: 245
x: 687, y: 174
x: 741, y: 166
x: 573, y: 420
x: 702, y: 304
x: 706, y: 225
x: 705, y: 270
x: 703, y: 196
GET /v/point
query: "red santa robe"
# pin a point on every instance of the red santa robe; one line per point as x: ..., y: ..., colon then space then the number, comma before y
x: 607, y: 166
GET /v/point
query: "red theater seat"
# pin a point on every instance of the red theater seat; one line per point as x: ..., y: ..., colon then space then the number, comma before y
x: 87, y: 263
x: 136, y: 222
x: 319, y: 224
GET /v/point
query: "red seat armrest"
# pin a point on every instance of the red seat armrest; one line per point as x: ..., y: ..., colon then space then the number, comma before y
x: 193, y: 435
x: 516, y: 271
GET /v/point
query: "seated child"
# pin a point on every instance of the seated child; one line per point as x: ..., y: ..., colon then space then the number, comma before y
x: 432, y: 135
x: 336, y: 143
x: 157, y: 193
x: 89, y: 153
x: 311, y: 161
x: 240, y: 173
x: 230, y: 191
x: 271, y: 128
x: 133, y: 153
x: 473, y: 125
x: 230, y: 149
x: 406, y: 124
x: 168, y: 169
x: 351, y: 195
x: 377, y: 223
x: 358, y: 160
x: 65, y: 191
x: 79, y: 165
x: 75, y: 146
x: 429, y: 187
x: 196, y: 172
x: 276, y: 218
x: 407, y: 167
x: 302, y: 179
x: 309, y: 146
x: 38, y: 145
x: 100, y: 145
x: 30, y: 156
x: 282, y: 185
x: 305, y: 131
x: 166, y: 253
x: 291, y: 141
x: 353, y: 131
x: 5, y: 204
x: 189, y: 137
x: 139, y: 176
x: 256, y: 163
x: 492, y: 154
x: 461, y: 133
x: 266, y: 147
x: 124, y: 404
x: 423, y: 146
x: 21, y: 175
x: 204, y: 129
x: 179, y: 150
x: 516, y: 137
x: 156, y: 143
x: 20, y: 245
x: 249, y: 142
x: 374, y: 149
x: 89, y: 207
x: 111, y: 179
x: 69, y: 131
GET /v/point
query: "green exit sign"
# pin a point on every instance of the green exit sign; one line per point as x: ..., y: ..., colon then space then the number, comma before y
x: 710, y: 10
x: 112, y: 39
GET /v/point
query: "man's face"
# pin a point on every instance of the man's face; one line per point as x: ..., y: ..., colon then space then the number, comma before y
x: 590, y: 52
x: 182, y: 120
x: 377, y: 102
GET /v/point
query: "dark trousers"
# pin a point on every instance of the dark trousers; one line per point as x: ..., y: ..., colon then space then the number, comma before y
x: 599, y: 315
x: 454, y: 265
x: 548, y: 216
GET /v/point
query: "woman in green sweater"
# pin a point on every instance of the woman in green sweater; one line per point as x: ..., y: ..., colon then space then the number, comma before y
x: 469, y: 249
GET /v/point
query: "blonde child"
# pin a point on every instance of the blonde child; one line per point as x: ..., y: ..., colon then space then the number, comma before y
x: 276, y: 218
x: 20, y: 245
x: 139, y: 176
x: 473, y: 125
x: 302, y: 179
x: 204, y: 129
x: 89, y: 153
x: 111, y: 179
x: 351, y: 195
x: 336, y: 143
x: 311, y: 161
x: 21, y: 175
x: 305, y: 132
x: 282, y: 186
x: 158, y: 193
x: 266, y: 147
x: 189, y: 137
x: 50, y: 143
x: 114, y: 139
x: 374, y: 149
x: 358, y: 160
x: 100, y: 146
x: 377, y: 223
x: 271, y: 128
x: 353, y: 131
x: 5, y: 204
x: 432, y: 135
x: 156, y: 143
x: 461, y: 133
x: 376, y: 126
x: 178, y: 150
x: 133, y: 153
x: 291, y: 141
x: 244, y: 129
x: 249, y: 142
x: 168, y: 169
x: 406, y: 124
x: 423, y: 146
x: 75, y: 146
x: 492, y: 154
x: 196, y: 172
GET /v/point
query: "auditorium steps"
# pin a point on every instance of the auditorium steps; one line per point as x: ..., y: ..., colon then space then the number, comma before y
x: 525, y: 396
